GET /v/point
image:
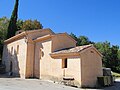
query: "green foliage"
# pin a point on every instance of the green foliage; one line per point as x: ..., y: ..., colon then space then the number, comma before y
x: 110, y: 55
x: 104, y: 48
x: 117, y: 75
x: 19, y: 24
x: 119, y: 54
x: 3, y: 32
x: 15, y: 25
x: 81, y: 40
x: 12, y: 28
x: 31, y: 25
x: 1, y: 49
x: 74, y: 37
x: 3, y: 28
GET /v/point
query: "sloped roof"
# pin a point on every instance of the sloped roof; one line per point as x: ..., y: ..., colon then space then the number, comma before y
x: 53, y: 35
x: 24, y: 33
x: 77, y: 49
x: 72, y: 50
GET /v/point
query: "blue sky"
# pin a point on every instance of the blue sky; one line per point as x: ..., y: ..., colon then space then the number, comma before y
x: 99, y: 20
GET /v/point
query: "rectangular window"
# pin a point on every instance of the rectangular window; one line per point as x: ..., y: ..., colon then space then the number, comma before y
x: 64, y: 63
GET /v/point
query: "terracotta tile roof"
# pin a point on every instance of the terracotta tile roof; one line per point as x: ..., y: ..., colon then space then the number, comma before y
x: 72, y: 50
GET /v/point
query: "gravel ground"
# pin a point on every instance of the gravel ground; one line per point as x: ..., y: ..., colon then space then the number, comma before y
x: 36, y: 84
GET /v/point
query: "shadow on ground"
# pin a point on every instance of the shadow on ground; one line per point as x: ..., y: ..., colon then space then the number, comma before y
x: 6, y: 75
x: 116, y: 86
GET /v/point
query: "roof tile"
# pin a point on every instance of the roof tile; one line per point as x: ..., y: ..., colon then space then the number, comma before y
x: 72, y: 50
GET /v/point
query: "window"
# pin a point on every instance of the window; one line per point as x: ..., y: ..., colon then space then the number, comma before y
x: 17, y: 49
x: 64, y: 63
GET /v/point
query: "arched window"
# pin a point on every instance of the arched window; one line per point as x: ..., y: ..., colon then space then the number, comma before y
x: 11, y: 50
x: 17, y: 49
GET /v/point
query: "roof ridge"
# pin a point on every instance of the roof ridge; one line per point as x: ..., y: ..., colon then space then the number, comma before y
x: 85, y: 47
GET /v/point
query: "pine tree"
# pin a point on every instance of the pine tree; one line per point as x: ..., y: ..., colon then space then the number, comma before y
x: 12, y: 28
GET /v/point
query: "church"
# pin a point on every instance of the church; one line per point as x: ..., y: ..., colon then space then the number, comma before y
x: 46, y: 55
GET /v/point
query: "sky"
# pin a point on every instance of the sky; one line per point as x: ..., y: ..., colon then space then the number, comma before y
x: 99, y: 20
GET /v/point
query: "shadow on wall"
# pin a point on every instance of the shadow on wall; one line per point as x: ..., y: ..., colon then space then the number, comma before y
x: 12, y: 64
x: 38, y: 56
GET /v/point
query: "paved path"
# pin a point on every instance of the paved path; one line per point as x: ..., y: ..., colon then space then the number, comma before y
x: 36, y: 84
x: 31, y: 84
x: 116, y: 86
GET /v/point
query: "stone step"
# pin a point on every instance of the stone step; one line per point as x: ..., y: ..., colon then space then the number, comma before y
x: 69, y: 81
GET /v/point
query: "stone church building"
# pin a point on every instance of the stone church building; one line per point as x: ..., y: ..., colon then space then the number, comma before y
x: 46, y: 55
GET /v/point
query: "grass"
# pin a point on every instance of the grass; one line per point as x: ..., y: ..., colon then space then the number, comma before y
x: 117, y: 75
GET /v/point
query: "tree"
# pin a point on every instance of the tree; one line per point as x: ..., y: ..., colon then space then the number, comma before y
x: 31, y: 25
x: 118, y: 68
x: 110, y: 55
x: 3, y: 32
x: 37, y: 25
x: 104, y: 48
x: 119, y: 54
x: 115, y: 63
x: 81, y: 40
x: 74, y: 37
x: 19, y: 24
x: 12, y: 28
x: 4, y: 22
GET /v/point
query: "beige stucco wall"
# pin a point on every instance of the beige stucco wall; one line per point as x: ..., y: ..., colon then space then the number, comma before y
x: 57, y: 71
x: 18, y: 60
x: 62, y: 42
x: 46, y: 67
x: 91, y: 67
x: 42, y: 66
x: 74, y: 70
